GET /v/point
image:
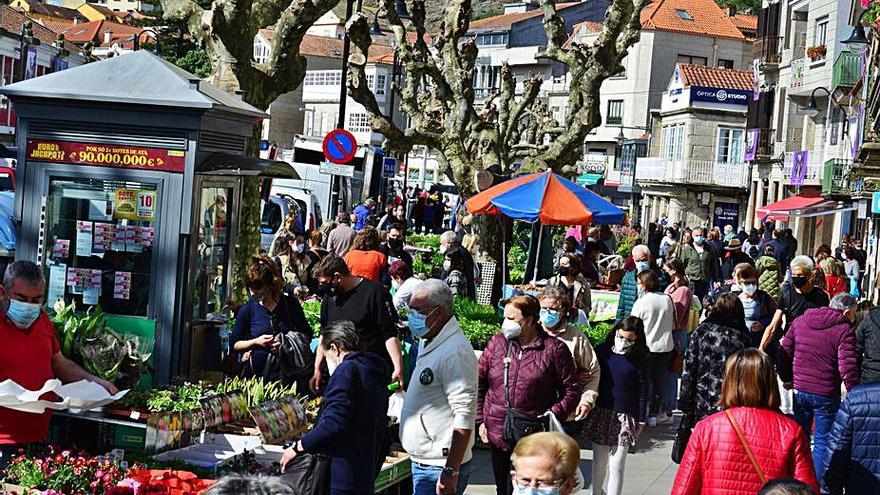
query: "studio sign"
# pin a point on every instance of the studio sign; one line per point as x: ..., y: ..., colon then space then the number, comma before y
x: 715, y: 95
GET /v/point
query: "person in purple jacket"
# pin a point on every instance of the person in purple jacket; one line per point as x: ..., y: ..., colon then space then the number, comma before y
x: 541, y: 377
x: 818, y: 354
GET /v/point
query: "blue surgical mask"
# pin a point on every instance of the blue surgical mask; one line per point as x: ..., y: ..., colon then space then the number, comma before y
x: 642, y: 266
x: 550, y: 318
x: 418, y: 323
x: 520, y: 490
x: 698, y: 240
x: 22, y: 314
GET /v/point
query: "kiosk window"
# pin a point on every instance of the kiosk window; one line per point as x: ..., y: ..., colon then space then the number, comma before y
x: 98, y: 243
x: 212, y: 255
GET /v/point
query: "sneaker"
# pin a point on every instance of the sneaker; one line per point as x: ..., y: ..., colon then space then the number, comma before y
x: 663, y: 419
x: 652, y: 421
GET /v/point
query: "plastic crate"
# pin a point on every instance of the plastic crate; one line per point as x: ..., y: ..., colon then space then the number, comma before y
x: 484, y: 290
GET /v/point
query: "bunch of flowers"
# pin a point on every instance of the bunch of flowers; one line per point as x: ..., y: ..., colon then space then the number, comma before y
x: 64, y: 473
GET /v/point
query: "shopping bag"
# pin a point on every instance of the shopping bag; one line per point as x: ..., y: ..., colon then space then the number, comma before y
x: 555, y: 425
x: 854, y: 288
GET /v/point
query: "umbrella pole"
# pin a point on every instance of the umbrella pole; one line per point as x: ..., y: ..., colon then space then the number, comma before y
x: 503, y: 252
x: 538, y: 253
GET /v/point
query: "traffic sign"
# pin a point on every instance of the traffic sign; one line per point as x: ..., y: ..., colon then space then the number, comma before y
x: 875, y: 203
x: 339, y: 146
x: 329, y: 168
x: 389, y: 167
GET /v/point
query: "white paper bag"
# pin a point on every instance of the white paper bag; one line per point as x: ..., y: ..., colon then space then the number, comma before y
x: 84, y: 395
x: 555, y: 425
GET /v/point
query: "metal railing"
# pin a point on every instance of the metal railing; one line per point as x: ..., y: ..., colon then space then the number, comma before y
x: 698, y: 172
x: 847, y: 70
x: 766, y: 141
x: 767, y: 49
x: 837, y: 177
x: 815, y: 170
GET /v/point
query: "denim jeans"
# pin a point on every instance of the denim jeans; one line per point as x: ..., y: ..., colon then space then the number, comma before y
x: 424, y: 478
x: 658, y: 364
x: 809, y: 408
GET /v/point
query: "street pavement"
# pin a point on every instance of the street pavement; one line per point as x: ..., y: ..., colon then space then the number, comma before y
x: 649, y: 471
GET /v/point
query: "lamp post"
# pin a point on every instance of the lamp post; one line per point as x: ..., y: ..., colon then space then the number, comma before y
x: 137, y: 41
x: 857, y: 37
x: 26, y: 40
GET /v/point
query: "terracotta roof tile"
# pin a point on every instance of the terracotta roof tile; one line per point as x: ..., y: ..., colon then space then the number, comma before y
x: 711, y: 77
x: 12, y: 20
x: 700, y: 17
x: 329, y: 47
x: 94, y: 31
x: 507, y: 20
x: 56, y: 26
x: 43, y: 8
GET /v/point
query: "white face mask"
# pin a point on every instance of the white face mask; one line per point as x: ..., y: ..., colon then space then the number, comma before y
x: 511, y: 329
x: 621, y: 345
x: 447, y: 265
x: 332, y: 360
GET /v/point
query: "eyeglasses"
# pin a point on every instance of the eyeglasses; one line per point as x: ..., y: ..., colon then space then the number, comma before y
x: 523, y: 482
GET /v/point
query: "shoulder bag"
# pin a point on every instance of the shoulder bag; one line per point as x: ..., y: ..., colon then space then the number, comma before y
x: 682, y: 437
x: 294, y: 359
x: 517, y: 424
x: 308, y: 474
x: 745, y: 445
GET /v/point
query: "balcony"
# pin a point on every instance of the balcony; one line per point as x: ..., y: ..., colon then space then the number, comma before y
x: 816, y: 162
x: 837, y: 177
x: 847, y: 70
x: 765, y: 142
x: 794, y: 139
x: 767, y: 50
x: 695, y: 172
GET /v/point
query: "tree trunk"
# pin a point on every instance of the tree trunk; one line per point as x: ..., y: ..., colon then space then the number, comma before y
x: 247, y: 242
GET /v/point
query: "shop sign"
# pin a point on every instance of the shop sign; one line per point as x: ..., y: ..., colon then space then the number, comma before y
x: 389, y: 167
x: 717, y: 95
x: 106, y: 155
x: 725, y: 214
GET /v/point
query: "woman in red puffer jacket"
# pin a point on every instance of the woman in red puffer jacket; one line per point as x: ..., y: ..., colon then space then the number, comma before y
x: 717, y: 460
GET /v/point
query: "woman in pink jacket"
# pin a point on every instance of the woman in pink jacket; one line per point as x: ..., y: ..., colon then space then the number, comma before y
x: 738, y: 449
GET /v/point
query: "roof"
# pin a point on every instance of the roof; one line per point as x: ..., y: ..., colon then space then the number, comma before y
x: 52, y: 10
x: 746, y: 23
x: 55, y: 25
x: 712, y: 77
x: 94, y: 31
x: 137, y: 78
x: 102, y: 10
x: 704, y: 18
x: 330, y: 47
x: 12, y: 20
x: 507, y: 20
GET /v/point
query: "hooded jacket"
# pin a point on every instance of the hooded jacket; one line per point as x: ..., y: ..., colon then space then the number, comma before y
x: 853, y: 459
x: 715, y: 462
x: 868, y: 346
x: 819, y: 350
x: 768, y: 276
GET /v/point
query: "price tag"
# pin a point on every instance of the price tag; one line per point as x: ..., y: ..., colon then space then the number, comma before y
x: 135, y: 415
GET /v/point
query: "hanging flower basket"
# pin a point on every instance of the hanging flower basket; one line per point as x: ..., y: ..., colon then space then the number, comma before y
x: 817, y: 52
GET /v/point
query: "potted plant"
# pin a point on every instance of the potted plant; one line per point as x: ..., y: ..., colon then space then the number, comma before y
x: 62, y: 473
x: 817, y: 52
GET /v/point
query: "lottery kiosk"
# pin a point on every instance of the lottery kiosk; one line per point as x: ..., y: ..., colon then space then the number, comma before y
x: 129, y: 192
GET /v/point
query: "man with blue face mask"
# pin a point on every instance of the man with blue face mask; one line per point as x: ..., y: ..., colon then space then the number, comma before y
x: 629, y: 289
x: 437, y: 420
x: 30, y: 355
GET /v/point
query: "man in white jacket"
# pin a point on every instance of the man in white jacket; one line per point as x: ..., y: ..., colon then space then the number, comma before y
x: 437, y: 421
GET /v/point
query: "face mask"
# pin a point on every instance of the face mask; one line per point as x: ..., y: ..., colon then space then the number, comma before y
x: 395, y: 244
x: 698, y: 240
x: 621, y: 345
x: 418, y: 323
x: 750, y: 289
x: 327, y: 289
x: 799, y: 282
x: 520, y: 490
x: 642, y: 266
x: 22, y: 314
x: 443, y: 248
x: 395, y: 284
x: 476, y: 248
x: 564, y: 271
x: 332, y: 363
x: 299, y: 248
x: 447, y: 265
x: 511, y: 329
x: 591, y: 239
x: 550, y: 318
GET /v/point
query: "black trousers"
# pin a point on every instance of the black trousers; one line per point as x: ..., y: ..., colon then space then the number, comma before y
x: 501, y: 468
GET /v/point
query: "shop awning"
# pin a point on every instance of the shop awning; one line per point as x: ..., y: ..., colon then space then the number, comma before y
x: 229, y: 164
x: 803, y: 206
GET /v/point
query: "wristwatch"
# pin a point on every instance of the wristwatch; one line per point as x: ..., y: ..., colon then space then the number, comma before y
x: 450, y: 472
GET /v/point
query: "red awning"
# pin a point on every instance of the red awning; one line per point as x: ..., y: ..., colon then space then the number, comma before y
x: 778, y: 210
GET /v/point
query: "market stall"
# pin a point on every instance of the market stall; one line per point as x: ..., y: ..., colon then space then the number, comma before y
x: 130, y: 176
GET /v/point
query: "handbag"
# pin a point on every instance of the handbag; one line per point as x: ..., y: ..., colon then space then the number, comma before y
x: 308, y: 474
x: 294, y: 359
x: 682, y: 437
x: 745, y: 445
x: 516, y: 424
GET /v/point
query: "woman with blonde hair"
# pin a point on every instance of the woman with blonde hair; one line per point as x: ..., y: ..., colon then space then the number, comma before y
x: 738, y: 449
x: 546, y: 460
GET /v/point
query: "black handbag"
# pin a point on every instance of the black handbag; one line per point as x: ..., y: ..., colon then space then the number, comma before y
x: 682, y: 437
x: 294, y: 359
x: 517, y: 424
x: 308, y: 474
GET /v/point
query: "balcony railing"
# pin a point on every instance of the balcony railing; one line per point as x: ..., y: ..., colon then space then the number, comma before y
x: 697, y: 172
x: 837, y: 177
x: 847, y: 70
x: 794, y: 138
x: 765, y: 145
x: 816, y: 160
x: 767, y: 50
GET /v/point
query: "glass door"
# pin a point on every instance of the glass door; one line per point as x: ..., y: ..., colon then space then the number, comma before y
x: 212, y: 246
x: 99, y: 242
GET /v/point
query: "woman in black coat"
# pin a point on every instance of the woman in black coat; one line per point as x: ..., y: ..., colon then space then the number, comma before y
x: 352, y: 424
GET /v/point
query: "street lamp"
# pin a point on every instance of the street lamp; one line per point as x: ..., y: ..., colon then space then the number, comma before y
x: 812, y: 110
x: 376, y: 30
x: 137, y: 41
x: 857, y: 37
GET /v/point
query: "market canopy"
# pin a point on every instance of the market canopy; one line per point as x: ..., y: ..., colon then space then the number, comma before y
x: 548, y: 198
x: 784, y: 208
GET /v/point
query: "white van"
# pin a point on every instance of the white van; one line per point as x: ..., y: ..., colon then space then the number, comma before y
x: 283, y: 200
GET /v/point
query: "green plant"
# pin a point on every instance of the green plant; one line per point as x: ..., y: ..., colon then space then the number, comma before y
x: 598, y: 332
x: 471, y: 310
x: 70, y: 326
x: 312, y: 309
x: 178, y: 398
x: 425, y: 241
x: 255, y: 390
